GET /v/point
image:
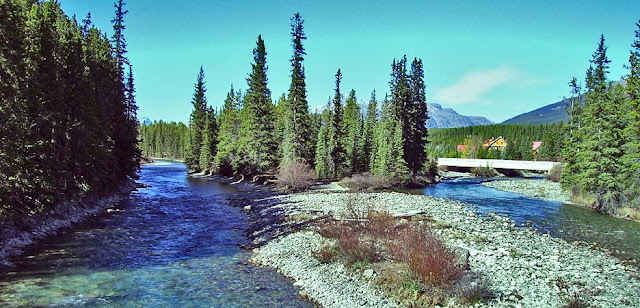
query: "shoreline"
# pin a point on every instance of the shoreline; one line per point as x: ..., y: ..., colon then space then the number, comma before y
x: 17, y: 236
x: 525, y: 268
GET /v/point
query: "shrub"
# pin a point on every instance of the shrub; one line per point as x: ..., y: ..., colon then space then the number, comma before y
x: 472, y: 289
x: 555, y: 174
x: 295, y: 175
x: 487, y: 171
x: 326, y: 254
x: 427, y: 257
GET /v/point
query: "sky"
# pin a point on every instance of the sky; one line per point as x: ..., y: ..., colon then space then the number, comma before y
x: 495, y: 59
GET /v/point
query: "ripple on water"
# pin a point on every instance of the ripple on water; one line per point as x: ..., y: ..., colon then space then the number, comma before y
x: 174, y: 244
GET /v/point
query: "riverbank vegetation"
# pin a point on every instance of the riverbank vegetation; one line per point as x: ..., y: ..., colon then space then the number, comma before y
x: 164, y: 140
x: 602, y: 154
x: 67, y: 108
x: 251, y: 135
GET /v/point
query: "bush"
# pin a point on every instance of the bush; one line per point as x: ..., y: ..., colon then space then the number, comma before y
x: 472, y: 289
x: 486, y: 172
x: 427, y: 257
x: 326, y: 254
x: 555, y: 174
x: 295, y: 176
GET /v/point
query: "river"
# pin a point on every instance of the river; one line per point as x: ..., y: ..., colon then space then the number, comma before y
x: 569, y: 222
x: 174, y: 244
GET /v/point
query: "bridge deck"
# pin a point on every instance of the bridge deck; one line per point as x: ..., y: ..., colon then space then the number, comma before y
x: 497, y: 163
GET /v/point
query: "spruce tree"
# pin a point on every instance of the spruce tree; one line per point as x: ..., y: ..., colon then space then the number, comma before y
x: 229, y: 126
x: 209, y: 142
x: 415, y: 154
x: 632, y: 155
x: 370, y: 122
x: 296, y: 143
x: 197, y: 122
x: 336, y: 128
x: 352, y: 135
x: 324, y: 166
x: 257, y: 146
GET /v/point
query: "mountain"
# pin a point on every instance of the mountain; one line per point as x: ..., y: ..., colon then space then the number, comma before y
x: 447, y: 118
x: 553, y: 113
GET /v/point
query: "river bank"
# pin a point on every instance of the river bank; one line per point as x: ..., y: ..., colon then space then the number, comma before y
x: 524, y: 268
x: 16, y: 236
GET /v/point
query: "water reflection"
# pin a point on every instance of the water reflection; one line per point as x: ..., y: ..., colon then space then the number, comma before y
x: 173, y: 244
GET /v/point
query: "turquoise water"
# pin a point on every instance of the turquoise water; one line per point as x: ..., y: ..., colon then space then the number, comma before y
x: 572, y: 223
x: 175, y: 244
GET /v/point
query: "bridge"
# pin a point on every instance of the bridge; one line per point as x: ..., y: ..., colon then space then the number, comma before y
x: 497, y: 164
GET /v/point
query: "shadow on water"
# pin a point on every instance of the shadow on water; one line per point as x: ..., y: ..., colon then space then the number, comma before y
x: 175, y: 243
x: 572, y: 223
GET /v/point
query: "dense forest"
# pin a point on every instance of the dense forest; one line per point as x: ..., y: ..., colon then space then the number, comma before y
x: 67, y: 108
x: 164, y: 140
x: 602, y: 151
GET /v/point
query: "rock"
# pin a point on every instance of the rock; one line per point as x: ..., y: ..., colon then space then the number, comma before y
x: 298, y: 284
x: 369, y: 273
x: 247, y: 208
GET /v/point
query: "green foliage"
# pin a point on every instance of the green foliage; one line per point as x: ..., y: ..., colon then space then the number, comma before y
x: 257, y: 147
x: 68, y: 112
x: 324, y: 166
x: 370, y: 122
x: 197, y: 123
x: 164, y: 140
x: 352, y: 135
x: 297, y: 121
x: 209, y: 142
x: 226, y: 160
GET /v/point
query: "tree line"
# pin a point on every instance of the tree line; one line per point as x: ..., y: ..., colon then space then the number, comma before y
x: 251, y: 135
x: 602, y: 144
x: 67, y: 107
x: 444, y: 141
x: 164, y: 140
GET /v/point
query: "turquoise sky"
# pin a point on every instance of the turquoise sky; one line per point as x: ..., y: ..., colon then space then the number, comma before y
x: 494, y: 59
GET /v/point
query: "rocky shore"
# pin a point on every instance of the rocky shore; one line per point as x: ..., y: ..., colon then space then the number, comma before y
x: 524, y: 268
x: 535, y: 188
x: 16, y: 236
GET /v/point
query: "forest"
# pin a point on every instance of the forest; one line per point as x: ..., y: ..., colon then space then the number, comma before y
x: 67, y: 108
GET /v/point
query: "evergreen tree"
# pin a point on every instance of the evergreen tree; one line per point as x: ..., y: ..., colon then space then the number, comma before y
x: 336, y: 128
x: 257, y: 146
x: 381, y: 155
x: 415, y: 154
x: 296, y: 143
x: 632, y: 155
x: 352, y: 135
x: 324, y: 166
x: 229, y: 126
x: 209, y: 142
x: 370, y: 122
x: 197, y: 122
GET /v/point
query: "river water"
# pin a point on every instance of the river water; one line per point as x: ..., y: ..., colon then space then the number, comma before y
x: 569, y: 222
x: 174, y: 244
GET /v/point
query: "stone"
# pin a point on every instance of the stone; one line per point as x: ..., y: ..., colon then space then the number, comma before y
x: 369, y: 273
x: 247, y: 208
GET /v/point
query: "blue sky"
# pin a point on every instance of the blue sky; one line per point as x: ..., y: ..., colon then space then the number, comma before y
x: 495, y: 59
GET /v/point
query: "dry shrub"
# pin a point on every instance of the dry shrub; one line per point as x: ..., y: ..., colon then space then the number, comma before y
x: 472, y: 289
x: 326, y: 254
x: 427, y: 257
x: 295, y: 175
x: 555, y: 174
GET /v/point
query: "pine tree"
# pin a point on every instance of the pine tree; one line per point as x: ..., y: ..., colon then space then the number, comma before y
x: 324, y: 166
x: 229, y: 127
x: 197, y: 122
x: 296, y: 143
x: 632, y: 155
x: 370, y: 122
x: 415, y: 154
x: 257, y: 145
x: 336, y: 128
x: 381, y: 155
x: 209, y: 142
x: 352, y: 134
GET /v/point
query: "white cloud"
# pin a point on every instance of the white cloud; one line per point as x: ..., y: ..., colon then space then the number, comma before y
x: 472, y: 86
